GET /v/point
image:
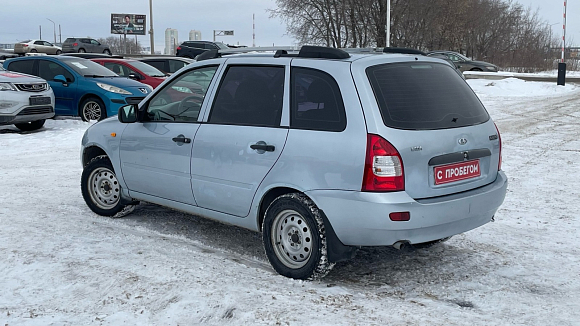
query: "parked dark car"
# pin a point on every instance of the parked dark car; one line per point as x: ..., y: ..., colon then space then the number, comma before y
x: 92, y: 55
x: 84, y: 44
x: 168, y: 65
x: 463, y: 63
x: 190, y: 49
x: 415, y: 51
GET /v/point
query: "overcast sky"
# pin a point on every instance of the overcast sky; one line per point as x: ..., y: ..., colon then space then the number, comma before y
x: 20, y: 19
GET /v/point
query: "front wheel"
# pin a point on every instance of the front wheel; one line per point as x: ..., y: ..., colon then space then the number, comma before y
x: 92, y: 108
x: 58, y: 52
x: 294, y: 238
x: 100, y: 188
x: 29, y: 126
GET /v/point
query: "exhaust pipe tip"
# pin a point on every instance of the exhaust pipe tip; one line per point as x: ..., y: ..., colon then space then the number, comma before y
x: 402, y: 244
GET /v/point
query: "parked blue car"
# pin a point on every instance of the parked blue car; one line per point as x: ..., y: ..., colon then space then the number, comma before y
x: 82, y: 87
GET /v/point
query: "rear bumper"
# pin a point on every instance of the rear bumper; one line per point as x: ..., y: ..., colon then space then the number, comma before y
x: 362, y: 219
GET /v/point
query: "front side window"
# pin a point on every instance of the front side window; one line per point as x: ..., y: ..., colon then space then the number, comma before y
x: 181, y: 99
x: 249, y: 95
x: 316, y: 101
x: 48, y: 70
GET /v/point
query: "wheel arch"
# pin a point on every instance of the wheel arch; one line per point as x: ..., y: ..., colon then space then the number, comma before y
x: 268, y: 198
x: 88, y: 95
x: 91, y: 152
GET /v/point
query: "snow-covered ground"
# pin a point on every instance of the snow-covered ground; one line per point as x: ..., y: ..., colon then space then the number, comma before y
x: 60, y: 264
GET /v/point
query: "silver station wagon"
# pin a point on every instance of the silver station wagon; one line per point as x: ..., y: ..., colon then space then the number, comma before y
x: 321, y: 150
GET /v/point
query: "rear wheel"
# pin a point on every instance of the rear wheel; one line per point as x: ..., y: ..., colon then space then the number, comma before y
x: 29, y: 126
x: 33, y: 51
x: 294, y: 238
x: 92, y: 108
x: 100, y: 188
x: 107, y: 52
x: 82, y: 50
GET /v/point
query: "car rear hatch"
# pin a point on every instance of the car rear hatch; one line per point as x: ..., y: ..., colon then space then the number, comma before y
x: 443, y: 134
x: 68, y: 44
x: 20, y: 48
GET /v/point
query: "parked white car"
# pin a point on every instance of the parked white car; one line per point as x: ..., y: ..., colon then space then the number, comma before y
x: 36, y: 46
x: 25, y: 101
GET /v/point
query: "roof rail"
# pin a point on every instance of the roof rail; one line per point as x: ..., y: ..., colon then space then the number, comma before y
x: 305, y: 51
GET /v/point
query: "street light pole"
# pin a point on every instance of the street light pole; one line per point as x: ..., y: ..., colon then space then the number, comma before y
x: 53, y: 29
x: 152, y: 39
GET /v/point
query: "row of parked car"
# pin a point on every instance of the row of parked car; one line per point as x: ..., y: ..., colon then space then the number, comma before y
x: 70, y: 45
x: 92, y: 86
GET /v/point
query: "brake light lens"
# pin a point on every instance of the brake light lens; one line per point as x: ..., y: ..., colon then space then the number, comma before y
x: 383, y: 166
x: 25, y: 45
x: 178, y: 48
x: 499, y: 137
x: 75, y: 44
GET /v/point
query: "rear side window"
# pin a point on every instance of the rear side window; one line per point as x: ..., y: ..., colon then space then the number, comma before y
x: 24, y: 66
x: 316, y: 101
x: 251, y: 96
x: 422, y: 96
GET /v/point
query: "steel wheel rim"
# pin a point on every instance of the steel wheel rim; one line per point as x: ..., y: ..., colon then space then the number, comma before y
x: 104, y: 188
x: 292, y: 239
x: 92, y: 111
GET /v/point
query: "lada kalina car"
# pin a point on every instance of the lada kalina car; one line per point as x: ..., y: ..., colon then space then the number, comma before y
x: 319, y: 150
x: 25, y: 101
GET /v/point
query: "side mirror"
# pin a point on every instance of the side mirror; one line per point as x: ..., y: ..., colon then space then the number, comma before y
x: 127, y: 113
x: 134, y: 76
x: 61, y: 79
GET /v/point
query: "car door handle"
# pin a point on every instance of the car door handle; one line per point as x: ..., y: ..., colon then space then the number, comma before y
x: 181, y: 139
x: 262, y: 147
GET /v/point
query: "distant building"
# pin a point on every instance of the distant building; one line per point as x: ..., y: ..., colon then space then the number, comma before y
x: 171, y: 40
x: 194, y: 35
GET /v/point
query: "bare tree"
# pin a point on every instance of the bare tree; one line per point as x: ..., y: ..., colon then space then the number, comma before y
x: 118, y: 45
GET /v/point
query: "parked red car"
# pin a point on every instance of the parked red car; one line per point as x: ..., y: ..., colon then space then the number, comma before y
x: 134, y: 69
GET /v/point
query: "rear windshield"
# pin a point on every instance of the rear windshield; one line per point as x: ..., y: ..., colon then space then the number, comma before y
x: 70, y: 40
x: 419, y: 96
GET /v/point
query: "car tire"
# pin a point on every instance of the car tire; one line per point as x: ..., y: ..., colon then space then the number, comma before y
x: 29, y: 126
x: 81, y: 50
x: 58, y: 52
x: 107, y: 52
x: 33, y: 51
x: 294, y: 238
x: 92, y: 108
x: 101, y: 189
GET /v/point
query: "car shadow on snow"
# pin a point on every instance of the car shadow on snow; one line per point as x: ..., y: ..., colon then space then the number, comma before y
x: 375, y: 269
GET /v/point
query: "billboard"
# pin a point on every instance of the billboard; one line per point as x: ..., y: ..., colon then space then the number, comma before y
x: 129, y: 24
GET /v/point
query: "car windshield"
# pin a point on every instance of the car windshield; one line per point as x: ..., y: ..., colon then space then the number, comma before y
x: 221, y: 46
x: 147, y: 69
x: 88, y: 68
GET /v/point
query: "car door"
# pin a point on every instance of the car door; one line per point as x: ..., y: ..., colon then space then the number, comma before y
x: 64, y: 93
x: 156, y: 153
x: 96, y: 47
x: 49, y: 48
x: 39, y: 46
x: 243, y: 137
x: 86, y: 44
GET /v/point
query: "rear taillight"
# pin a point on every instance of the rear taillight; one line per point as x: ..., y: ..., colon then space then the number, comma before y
x: 499, y: 137
x: 178, y: 48
x: 25, y: 45
x: 383, y: 166
x: 75, y: 44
